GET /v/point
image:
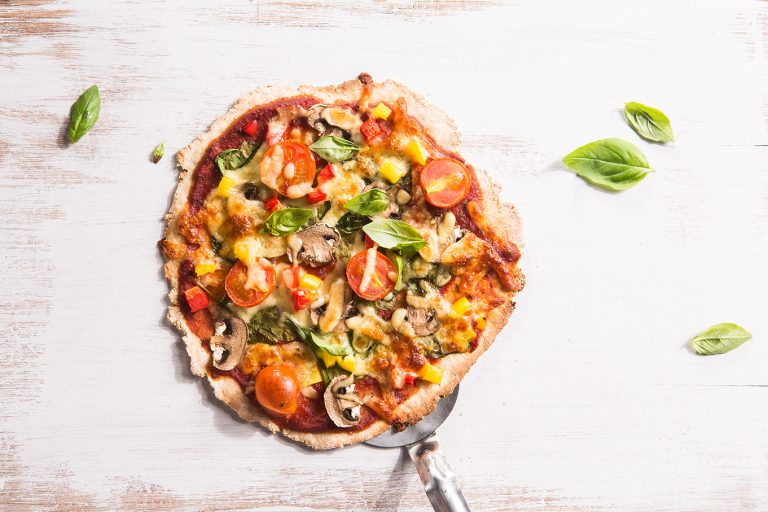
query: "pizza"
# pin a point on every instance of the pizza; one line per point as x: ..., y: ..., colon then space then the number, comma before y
x: 336, y: 266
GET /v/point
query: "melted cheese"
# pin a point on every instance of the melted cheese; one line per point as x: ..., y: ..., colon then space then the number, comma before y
x: 370, y: 268
x: 257, y: 275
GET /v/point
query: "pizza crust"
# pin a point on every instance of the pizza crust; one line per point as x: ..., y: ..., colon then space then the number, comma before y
x: 443, y: 130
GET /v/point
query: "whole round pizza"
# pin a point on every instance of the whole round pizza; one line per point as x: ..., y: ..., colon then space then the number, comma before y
x: 336, y: 266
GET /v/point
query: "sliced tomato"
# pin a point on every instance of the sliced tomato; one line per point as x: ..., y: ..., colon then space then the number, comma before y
x: 302, y: 171
x: 277, y: 388
x: 445, y: 182
x: 381, y: 282
x: 248, y: 297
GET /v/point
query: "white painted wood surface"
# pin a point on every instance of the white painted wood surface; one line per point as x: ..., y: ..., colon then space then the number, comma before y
x: 589, y: 400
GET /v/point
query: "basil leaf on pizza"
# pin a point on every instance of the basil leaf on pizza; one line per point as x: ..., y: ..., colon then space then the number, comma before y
x: 286, y: 221
x: 719, y: 339
x: 369, y: 203
x: 309, y: 315
x: 611, y: 164
x: 351, y: 222
x: 232, y: 159
x: 395, y: 234
x: 648, y: 122
x: 84, y: 113
x: 158, y: 153
x: 334, y: 149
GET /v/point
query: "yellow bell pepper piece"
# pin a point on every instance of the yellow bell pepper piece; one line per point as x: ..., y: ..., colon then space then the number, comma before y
x: 328, y: 359
x: 225, y: 186
x: 313, y: 378
x: 461, y: 306
x: 246, y: 250
x: 416, y: 152
x: 392, y: 170
x: 346, y: 362
x: 480, y: 322
x: 204, y: 268
x: 381, y: 111
x: 462, y: 338
x: 310, y: 282
x: 431, y: 373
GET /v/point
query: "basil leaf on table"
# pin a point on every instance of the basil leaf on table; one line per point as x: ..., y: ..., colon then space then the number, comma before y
x: 334, y: 149
x: 612, y: 164
x: 285, y: 221
x: 368, y: 203
x: 350, y: 222
x: 648, y: 122
x: 158, y: 153
x: 395, y: 234
x: 719, y: 339
x: 84, y: 113
x: 231, y: 159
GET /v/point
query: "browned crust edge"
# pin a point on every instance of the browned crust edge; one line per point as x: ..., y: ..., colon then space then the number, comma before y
x: 442, y: 128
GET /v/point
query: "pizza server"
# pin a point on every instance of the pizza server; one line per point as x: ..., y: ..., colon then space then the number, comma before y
x: 423, y: 446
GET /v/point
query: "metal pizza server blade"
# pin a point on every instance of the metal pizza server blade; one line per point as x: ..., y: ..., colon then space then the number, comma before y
x: 423, y: 447
x: 415, y: 433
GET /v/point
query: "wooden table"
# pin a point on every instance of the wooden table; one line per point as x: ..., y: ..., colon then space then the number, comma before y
x: 589, y: 400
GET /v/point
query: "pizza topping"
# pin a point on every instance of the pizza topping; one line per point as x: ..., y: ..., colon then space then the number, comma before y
x: 444, y: 182
x: 228, y: 342
x: 285, y: 221
x: 334, y: 149
x: 196, y: 298
x: 289, y: 168
x: 342, y: 402
x: 395, y: 234
x: 277, y: 388
x: 237, y: 283
x: 335, y: 308
x: 318, y: 245
x: 369, y: 273
x: 369, y: 203
x: 424, y: 321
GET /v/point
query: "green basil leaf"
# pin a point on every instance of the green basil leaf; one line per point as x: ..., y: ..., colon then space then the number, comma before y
x: 268, y: 325
x: 84, y: 113
x: 328, y: 374
x: 350, y: 222
x: 612, y: 164
x: 719, y: 339
x: 232, y: 159
x: 285, y: 221
x: 395, y: 234
x: 158, y: 153
x: 323, y: 209
x: 649, y: 123
x: 369, y: 203
x: 334, y: 149
x: 317, y: 342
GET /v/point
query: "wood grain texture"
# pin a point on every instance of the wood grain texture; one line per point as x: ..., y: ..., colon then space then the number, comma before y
x: 595, y: 402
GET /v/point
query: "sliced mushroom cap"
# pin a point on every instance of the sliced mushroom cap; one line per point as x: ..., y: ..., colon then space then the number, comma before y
x: 315, y: 120
x: 423, y: 321
x: 342, y: 402
x: 228, y: 342
x: 318, y: 245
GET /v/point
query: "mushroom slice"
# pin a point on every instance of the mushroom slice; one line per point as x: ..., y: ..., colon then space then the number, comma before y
x: 423, y: 321
x: 318, y: 245
x: 228, y: 342
x: 341, y: 401
x: 315, y: 120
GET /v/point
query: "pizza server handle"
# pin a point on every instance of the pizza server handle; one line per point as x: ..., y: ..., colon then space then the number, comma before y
x: 439, y: 480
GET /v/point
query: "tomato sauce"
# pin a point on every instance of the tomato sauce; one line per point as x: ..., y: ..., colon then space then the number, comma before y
x: 206, y: 174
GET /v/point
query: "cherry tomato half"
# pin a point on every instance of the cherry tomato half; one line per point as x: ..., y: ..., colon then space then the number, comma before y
x: 277, y: 388
x: 382, y: 281
x: 445, y: 182
x: 289, y: 168
x: 248, y: 297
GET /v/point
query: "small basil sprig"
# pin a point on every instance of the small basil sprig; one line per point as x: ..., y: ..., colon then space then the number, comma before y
x: 285, y: 221
x: 350, y: 222
x: 158, y: 153
x: 232, y: 159
x: 649, y: 123
x: 268, y: 326
x: 719, y: 339
x: 612, y: 164
x: 334, y: 149
x: 395, y: 234
x: 369, y: 203
x: 84, y: 113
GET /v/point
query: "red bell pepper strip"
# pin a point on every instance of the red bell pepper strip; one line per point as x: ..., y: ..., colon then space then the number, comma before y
x: 196, y: 298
